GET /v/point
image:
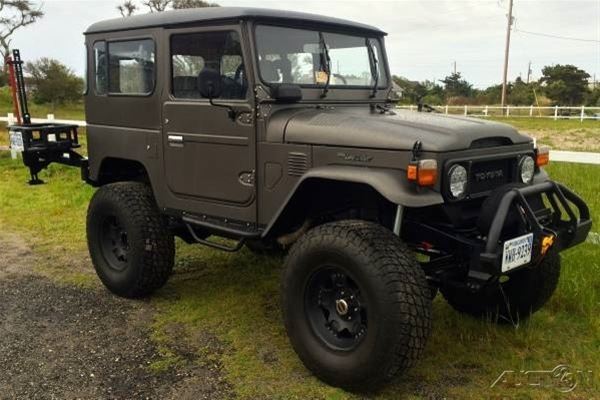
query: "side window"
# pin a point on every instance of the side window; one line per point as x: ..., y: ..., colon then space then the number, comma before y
x: 131, y: 67
x: 86, y: 57
x: 222, y: 51
x: 100, y: 70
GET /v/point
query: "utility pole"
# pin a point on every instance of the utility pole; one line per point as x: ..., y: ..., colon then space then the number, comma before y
x: 506, y: 50
x: 454, y: 67
x: 529, y: 72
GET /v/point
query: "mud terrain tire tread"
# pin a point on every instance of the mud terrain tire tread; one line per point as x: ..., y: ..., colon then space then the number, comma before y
x: 152, y: 246
x: 402, y: 291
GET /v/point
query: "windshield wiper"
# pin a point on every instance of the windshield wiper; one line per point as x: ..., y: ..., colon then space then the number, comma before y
x: 373, y: 63
x: 325, y: 62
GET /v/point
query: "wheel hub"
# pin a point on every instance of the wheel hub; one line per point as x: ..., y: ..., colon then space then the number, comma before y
x: 115, y: 243
x: 336, y: 311
x: 341, y: 306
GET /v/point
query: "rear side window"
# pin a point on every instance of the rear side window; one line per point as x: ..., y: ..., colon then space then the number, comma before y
x: 86, y: 54
x: 221, y: 51
x: 100, y: 70
x: 131, y: 67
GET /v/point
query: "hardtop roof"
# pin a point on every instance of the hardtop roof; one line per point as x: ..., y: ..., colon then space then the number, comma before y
x: 190, y: 16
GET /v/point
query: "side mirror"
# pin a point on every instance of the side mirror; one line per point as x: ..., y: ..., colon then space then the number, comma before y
x: 209, y: 83
x: 287, y: 92
x: 211, y: 87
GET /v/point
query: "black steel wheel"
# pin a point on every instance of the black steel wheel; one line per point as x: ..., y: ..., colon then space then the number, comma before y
x: 356, y: 304
x: 335, y: 308
x: 114, y: 243
x: 129, y: 241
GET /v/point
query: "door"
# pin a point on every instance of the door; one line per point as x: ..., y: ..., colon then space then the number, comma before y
x: 209, y: 152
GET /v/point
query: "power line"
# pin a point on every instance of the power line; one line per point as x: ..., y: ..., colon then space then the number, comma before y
x: 557, y: 36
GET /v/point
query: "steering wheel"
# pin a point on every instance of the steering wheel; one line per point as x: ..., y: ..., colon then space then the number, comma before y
x: 340, y: 77
x: 240, y: 74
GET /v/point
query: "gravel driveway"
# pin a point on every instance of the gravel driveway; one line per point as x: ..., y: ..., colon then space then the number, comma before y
x: 60, y: 341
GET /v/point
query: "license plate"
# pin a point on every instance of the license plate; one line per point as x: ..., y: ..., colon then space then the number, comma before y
x: 517, y: 252
x: 16, y: 141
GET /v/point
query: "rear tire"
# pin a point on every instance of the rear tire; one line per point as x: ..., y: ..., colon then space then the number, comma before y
x: 525, y: 292
x: 129, y: 241
x: 356, y: 304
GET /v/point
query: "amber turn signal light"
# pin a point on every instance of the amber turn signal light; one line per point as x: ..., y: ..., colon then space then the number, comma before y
x: 411, y: 173
x: 424, y: 172
x: 542, y: 156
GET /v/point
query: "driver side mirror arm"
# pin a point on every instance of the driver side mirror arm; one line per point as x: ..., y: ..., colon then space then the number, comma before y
x: 210, y: 87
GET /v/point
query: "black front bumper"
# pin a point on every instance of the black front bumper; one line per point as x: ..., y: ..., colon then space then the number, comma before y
x: 565, y: 218
x: 566, y: 232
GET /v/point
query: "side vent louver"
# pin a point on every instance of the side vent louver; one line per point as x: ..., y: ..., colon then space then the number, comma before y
x: 297, y: 164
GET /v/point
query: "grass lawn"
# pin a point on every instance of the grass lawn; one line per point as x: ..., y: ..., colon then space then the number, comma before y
x: 235, y: 299
x: 64, y: 111
x: 563, y: 134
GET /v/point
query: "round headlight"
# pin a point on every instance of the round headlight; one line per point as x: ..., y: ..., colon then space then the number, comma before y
x: 458, y: 181
x: 526, y: 169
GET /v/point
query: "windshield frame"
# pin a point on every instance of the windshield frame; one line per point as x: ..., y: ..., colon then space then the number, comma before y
x: 326, y: 29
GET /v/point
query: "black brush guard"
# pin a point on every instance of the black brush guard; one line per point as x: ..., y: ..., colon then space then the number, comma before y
x: 567, y: 233
x: 483, y: 255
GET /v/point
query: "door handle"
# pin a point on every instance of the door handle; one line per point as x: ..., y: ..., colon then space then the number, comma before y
x: 175, y: 140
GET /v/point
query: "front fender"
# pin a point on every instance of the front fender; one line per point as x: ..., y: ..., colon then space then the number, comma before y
x: 390, y: 183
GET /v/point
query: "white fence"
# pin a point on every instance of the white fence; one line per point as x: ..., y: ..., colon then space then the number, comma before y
x: 10, y: 119
x: 556, y: 112
x: 580, y: 113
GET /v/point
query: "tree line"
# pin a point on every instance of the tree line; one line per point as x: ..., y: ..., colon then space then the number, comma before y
x: 564, y: 85
x: 53, y: 82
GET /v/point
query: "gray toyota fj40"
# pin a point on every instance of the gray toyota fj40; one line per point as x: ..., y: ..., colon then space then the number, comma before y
x: 277, y: 130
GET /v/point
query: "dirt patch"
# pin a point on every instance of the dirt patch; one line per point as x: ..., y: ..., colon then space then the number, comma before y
x: 61, y: 341
x: 16, y: 256
x: 202, y: 350
x: 571, y: 139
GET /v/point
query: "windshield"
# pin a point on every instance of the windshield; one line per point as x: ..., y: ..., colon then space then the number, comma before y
x: 297, y: 56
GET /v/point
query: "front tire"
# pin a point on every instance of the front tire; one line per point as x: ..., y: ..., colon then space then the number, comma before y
x: 129, y: 241
x: 525, y: 292
x: 356, y: 304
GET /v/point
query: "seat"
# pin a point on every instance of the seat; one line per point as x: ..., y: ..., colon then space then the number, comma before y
x: 269, y: 71
x: 186, y: 87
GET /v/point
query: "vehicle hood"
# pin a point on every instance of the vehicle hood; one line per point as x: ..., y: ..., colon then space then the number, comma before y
x: 363, y: 128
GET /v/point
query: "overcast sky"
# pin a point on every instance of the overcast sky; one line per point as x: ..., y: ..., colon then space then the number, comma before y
x: 424, y: 37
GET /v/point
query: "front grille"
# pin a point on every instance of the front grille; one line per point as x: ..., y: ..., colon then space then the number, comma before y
x: 488, y: 175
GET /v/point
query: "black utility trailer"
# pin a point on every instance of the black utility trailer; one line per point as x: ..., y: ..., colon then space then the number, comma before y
x: 44, y: 143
